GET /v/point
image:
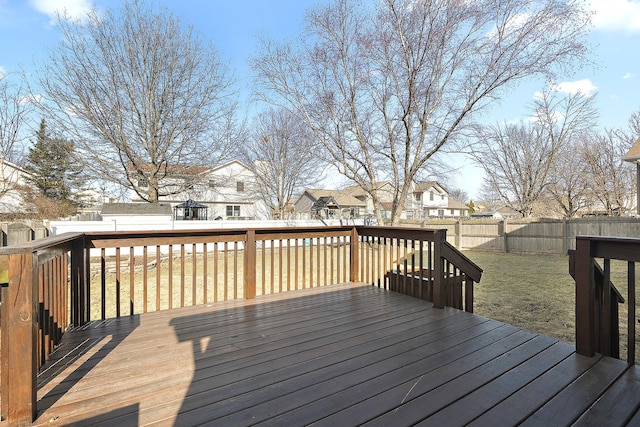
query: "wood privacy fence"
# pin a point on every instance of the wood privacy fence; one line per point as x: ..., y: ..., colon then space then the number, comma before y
x: 53, y: 285
x: 553, y: 236
x: 15, y: 233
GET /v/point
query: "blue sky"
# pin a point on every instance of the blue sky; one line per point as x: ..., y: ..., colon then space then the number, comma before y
x: 26, y: 31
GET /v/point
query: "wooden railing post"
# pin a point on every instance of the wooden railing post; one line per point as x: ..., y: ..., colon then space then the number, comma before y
x: 21, y: 323
x: 585, y: 295
x: 439, y: 291
x: 80, y: 297
x: 355, y: 260
x: 250, y: 265
x: 4, y: 338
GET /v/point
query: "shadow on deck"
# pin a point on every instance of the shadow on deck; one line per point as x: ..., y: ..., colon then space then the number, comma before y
x: 340, y: 355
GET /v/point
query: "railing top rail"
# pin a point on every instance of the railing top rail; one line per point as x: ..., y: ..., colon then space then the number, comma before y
x: 620, y: 248
x: 210, y: 231
x: 616, y: 239
x: 410, y: 233
x: 41, y: 244
x: 461, y: 261
x: 105, y: 236
x: 572, y: 272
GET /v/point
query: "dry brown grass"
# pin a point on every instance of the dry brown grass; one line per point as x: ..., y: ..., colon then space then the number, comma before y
x: 275, y: 272
x: 536, y: 292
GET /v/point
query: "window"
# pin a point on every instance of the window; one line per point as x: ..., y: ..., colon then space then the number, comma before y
x: 233, y: 210
x: 431, y: 196
x: 240, y: 186
x: 418, y: 196
x: 442, y: 197
x: 212, y: 183
x: 440, y: 213
x: 142, y: 183
x: 452, y: 212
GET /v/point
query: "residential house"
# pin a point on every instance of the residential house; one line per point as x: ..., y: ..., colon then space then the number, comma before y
x: 486, y: 215
x: 431, y: 200
x: 12, y: 177
x: 328, y: 204
x: 228, y: 191
x: 384, y: 191
x: 425, y: 200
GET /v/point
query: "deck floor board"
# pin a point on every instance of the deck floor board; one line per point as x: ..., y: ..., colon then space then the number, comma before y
x: 346, y: 354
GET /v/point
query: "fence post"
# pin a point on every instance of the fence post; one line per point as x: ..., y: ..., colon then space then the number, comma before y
x: 439, y: 291
x: 19, y: 233
x: 250, y: 265
x: 21, y: 323
x: 459, y: 233
x: 355, y: 240
x: 585, y: 295
x: 565, y: 236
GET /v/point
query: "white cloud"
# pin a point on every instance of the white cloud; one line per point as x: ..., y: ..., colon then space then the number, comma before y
x: 31, y: 99
x: 3, y: 71
x: 628, y: 76
x: 616, y: 14
x: 74, y: 9
x: 584, y: 86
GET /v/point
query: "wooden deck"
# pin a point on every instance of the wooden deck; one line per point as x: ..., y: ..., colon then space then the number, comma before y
x: 341, y: 355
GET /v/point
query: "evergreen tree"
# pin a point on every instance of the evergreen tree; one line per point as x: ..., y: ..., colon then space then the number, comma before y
x: 50, y: 163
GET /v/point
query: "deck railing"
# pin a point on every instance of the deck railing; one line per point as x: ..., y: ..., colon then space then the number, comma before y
x: 63, y: 282
x: 597, y: 299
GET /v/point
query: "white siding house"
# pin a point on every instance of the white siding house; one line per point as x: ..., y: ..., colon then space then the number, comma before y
x: 431, y: 200
x: 12, y: 176
x: 228, y: 191
x: 425, y: 200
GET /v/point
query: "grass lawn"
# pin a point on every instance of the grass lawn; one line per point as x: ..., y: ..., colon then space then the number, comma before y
x: 536, y: 292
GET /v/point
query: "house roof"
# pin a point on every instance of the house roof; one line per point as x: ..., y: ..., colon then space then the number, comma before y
x: 5, y: 162
x: 357, y: 190
x: 340, y: 196
x: 424, y: 186
x: 224, y: 165
x: 173, y: 169
x: 324, y: 202
x: 387, y: 206
x: 136, y: 209
x: 191, y: 204
x: 191, y: 170
x: 633, y: 155
x: 454, y: 204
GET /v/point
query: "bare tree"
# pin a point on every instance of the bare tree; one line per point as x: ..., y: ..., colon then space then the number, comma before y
x: 519, y: 159
x: 282, y: 150
x: 15, y: 107
x: 611, y: 180
x: 385, y: 89
x: 143, y: 96
x: 459, y: 195
x: 569, y: 182
x: 634, y: 126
